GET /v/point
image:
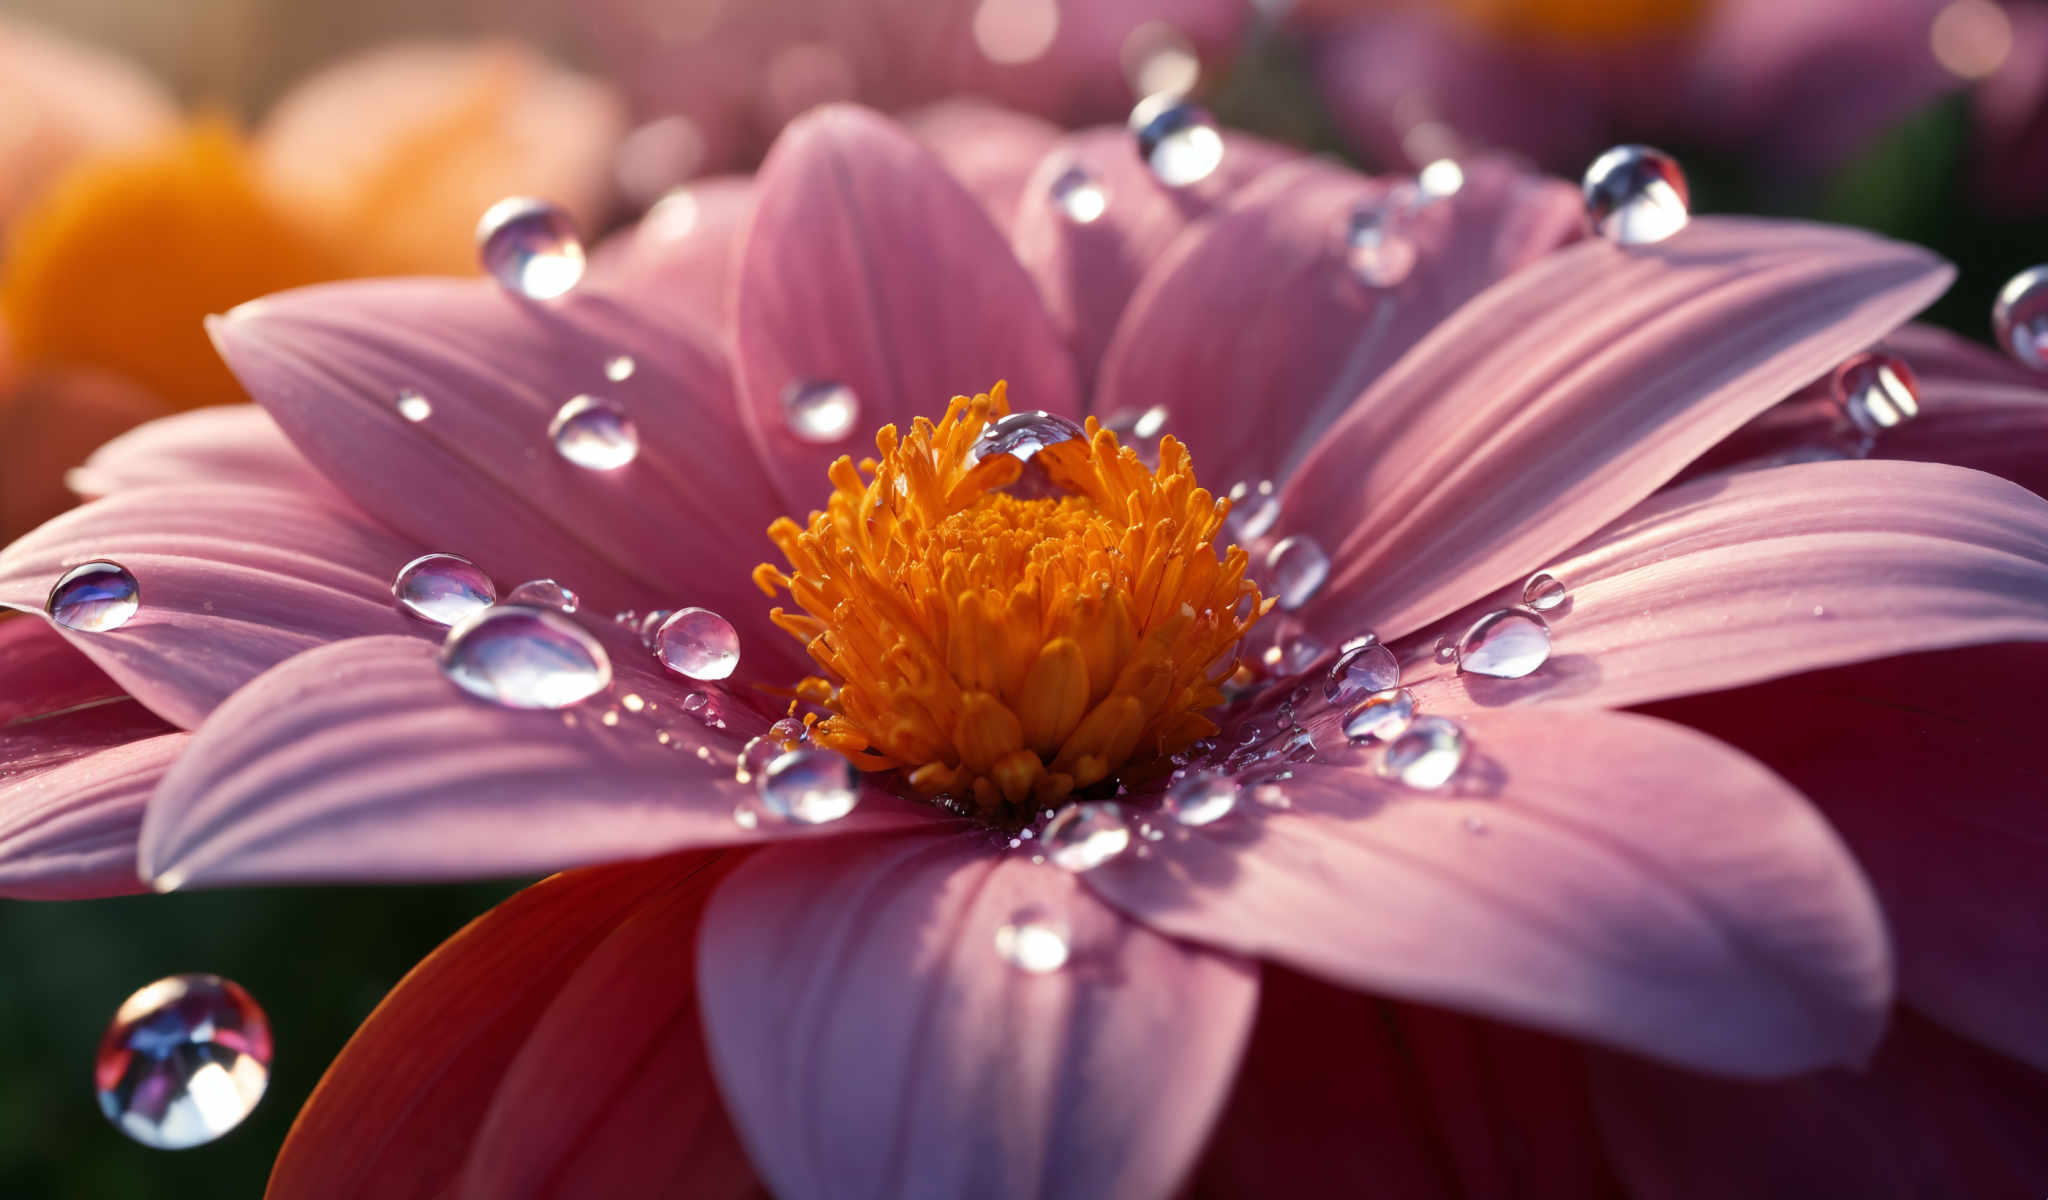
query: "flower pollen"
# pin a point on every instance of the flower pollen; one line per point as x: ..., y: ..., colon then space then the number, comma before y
x: 1006, y: 649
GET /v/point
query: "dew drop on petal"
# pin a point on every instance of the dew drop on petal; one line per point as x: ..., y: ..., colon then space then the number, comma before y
x: 530, y: 247
x: 594, y: 434
x: 1506, y: 644
x: 2020, y: 317
x: 544, y: 593
x: 184, y: 1061
x: 698, y: 643
x: 619, y: 368
x: 412, y: 405
x: 820, y: 411
x: 442, y: 588
x: 809, y: 787
x: 521, y: 657
x: 1133, y: 425
x: 1445, y: 650
x: 1298, y: 568
x: 1177, y: 139
x: 1086, y: 834
x: 1079, y: 195
x: 1291, y: 654
x: 1877, y: 391
x: 1636, y: 195
x: 1033, y: 940
x: 1380, y: 716
x: 755, y: 757
x: 1376, y: 240
x: 1543, y: 592
x: 1199, y: 800
x: 650, y: 627
x: 1254, y: 506
x: 94, y: 597
x: 1367, y: 638
x: 1426, y: 754
x: 1361, y: 671
x: 1440, y: 179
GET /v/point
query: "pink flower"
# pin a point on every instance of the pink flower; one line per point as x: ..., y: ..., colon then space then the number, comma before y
x: 1772, y: 795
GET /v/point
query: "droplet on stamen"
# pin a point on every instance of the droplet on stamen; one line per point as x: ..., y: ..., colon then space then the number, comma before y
x: 530, y: 247
x: 184, y: 1061
x: 442, y: 588
x: 94, y: 597
x: 1636, y: 195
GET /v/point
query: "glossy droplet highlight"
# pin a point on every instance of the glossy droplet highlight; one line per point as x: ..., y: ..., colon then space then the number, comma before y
x: 530, y: 247
x: 442, y: 588
x: 1202, y: 799
x: 1379, y: 717
x: 184, y: 1061
x: 1506, y: 644
x: 809, y: 787
x: 1444, y: 650
x: 94, y: 597
x: 1359, y: 672
x: 594, y: 434
x: 1543, y: 592
x: 1033, y: 940
x: 698, y: 643
x: 1298, y: 568
x: 619, y: 368
x: 1254, y: 506
x: 1079, y: 196
x: 1085, y: 835
x: 2020, y: 317
x: 820, y: 411
x: 412, y: 406
x: 1877, y: 392
x: 544, y: 593
x: 1376, y: 239
x: 1636, y: 195
x: 1291, y: 654
x: 1021, y: 435
x: 1426, y: 754
x: 1177, y: 139
x: 521, y: 657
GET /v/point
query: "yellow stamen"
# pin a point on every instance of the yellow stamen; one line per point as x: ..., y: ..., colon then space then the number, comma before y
x: 1005, y: 650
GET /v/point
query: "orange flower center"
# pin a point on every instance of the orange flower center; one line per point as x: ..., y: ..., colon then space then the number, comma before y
x: 1006, y: 650
x: 1596, y: 21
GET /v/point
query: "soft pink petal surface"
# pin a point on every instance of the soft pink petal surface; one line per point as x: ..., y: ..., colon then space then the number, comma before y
x: 226, y: 444
x: 680, y: 259
x: 69, y: 832
x: 991, y: 150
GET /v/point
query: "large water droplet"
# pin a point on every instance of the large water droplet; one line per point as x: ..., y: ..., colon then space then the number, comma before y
x: 1361, y: 671
x: 183, y: 1062
x: 442, y: 588
x: 820, y: 411
x: 522, y: 657
x: 1202, y: 799
x: 1636, y: 195
x: 1084, y: 835
x: 1034, y: 940
x: 544, y: 593
x: 412, y: 405
x: 1376, y: 239
x: 2020, y: 317
x: 1079, y: 196
x: 1177, y: 139
x: 1506, y: 644
x: 1426, y: 754
x: 698, y: 643
x: 530, y: 247
x: 1298, y: 567
x: 1021, y: 435
x: 1543, y: 592
x: 809, y: 787
x: 1254, y: 506
x: 594, y: 434
x: 94, y: 597
x: 1380, y: 716
x: 1877, y: 391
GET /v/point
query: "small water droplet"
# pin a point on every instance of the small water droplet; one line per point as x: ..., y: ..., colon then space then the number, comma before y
x: 522, y: 657
x: 1086, y: 834
x: 809, y: 787
x: 1441, y: 179
x: 1426, y: 754
x: 1135, y: 426
x: 698, y: 643
x: 1177, y: 139
x: 412, y: 405
x: 620, y: 367
x: 1445, y: 650
x: 94, y: 597
x: 1202, y: 799
x: 1361, y: 671
x: 184, y: 1061
x: 594, y: 434
x: 650, y: 626
x: 1254, y: 506
x: 544, y: 593
x: 1380, y: 716
x: 1877, y: 391
x: 1033, y: 940
x: 633, y: 702
x: 1475, y: 826
x: 1079, y: 196
x: 1298, y: 567
x: 820, y: 411
x: 1506, y: 644
x: 1543, y: 592
x: 530, y: 247
x: 744, y: 816
x: 1291, y: 654
x: 442, y: 588
x: 2020, y: 317
x: 755, y: 757
x: 1636, y: 195
x: 1376, y: 239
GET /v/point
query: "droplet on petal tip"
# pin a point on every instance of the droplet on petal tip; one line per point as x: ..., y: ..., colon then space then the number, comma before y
x: 1176, y: 138
x: 1636, y: 195
x: 530, y: 247
x: 442, y: 589
x: 94, y: 597
x: 520, y: 657
x: 184, y: 1061
x: 2019, y: 317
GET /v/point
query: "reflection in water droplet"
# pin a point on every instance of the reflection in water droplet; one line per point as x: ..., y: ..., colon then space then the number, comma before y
x: 183, y: 1062
x: 1376, y: 240
x: 1202, y: 799
x: 1441, y: 178
x: 1506, y: 644
x: 619, y: 368
x: 442, y: 588
x: 1380, y: 716
x: 1079, y: 195
x: 1877, y: 391
x: 594, y: 434
x: 1445, y: 650
x: 1359, y: 672
x: 1426, y: 754
x: 1298, y: 568
x: 1543, y: 592
x: 1254, y: 506
x: 1021, y: 435
x: 1636, y: 195
x: 1084, y: 835
x: 1177, y: 139
x: 530, y: 247
x: 1033, y: 940
x: 809, y: 787
x: 2020, y: 317
x: 1135, y: 425
x: 523, y: 657
x: 544, y: 593
x: 820, y: 411
x: 698, y: 643
x: 94, y: 597
x: 1291, y: 654
x: 412, y: 405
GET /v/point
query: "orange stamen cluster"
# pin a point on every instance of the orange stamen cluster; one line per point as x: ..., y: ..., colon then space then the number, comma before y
x: 1007, y: 651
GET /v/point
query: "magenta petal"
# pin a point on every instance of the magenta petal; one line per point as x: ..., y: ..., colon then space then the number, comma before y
x: 1270, y: 272
x: 991, y: 150
x: 871, y: 1042
x: 680, y: 260
x: 44, y: 674
x: 69, y: 832
x: 234, y: 580
x: 233, y: 443
x: 1726, y: 581
x: 1569, y: 391
x: 359, y: 761
x: 1609, y: 876
x: 871, y: 267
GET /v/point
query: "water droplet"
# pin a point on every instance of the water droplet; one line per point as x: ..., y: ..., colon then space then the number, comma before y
x: 183, y: 1062
x: 1177, y: 139
x: 1136, y: 425
x: 1084, y: 835
x: 1636, y: 195
x: 442, y: 588
x: 1202, y: 799
x: 412, y: 405
x: 620, y: 367
x: 650, y: 627
x: 1877, y: 391
x: 755, y: 757
x: 1291, y: 654
x: 1441, y: 178
x: 1376, y: 240
x: 1506, y: 644
x: 1079, y: 196
x: 744, y: 816
x: 1380, y: 716
x: 1426, y: 754
x: 809, y: 787
x: 530, y: 247
x: 698, y: 643
x: 1021, y: 435
x: 820, y: 411
x: 522, y: 657
x: 1033, y: 940
x: 1298, y: 567
x: 1367, y: 638
x: 544, y: 593
x: 1361, y: 671
x: 94, y: 597
x: 594, y: 434
x: 1543, y: 592
x: 1445, y: 650
x: 2020, y: 317
x: 1254, y: 506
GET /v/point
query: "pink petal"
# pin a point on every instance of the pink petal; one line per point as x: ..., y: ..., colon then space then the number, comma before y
x: 991, y: 150
x: 682, y: 257
x: 50, y: 420
x: 234, y: 580
x: 1563, y: 395
x: 359, y: 761
x: 869, y: 266
x: 1604, y: 875
x: 68, y: 832
x: 1731, y: 580
x: 872, y: 1042
x: 226, y: 444
x: 1270, y: 272
x: 44, y: 674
